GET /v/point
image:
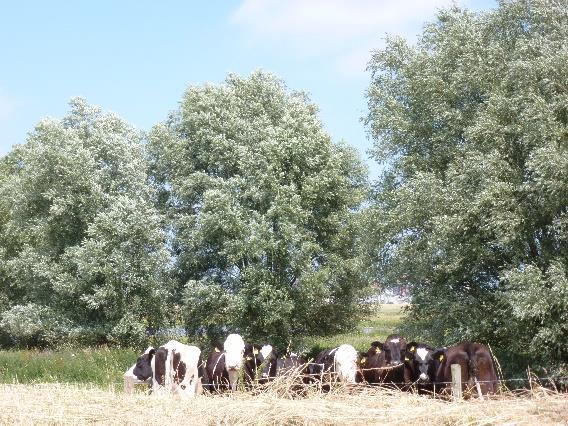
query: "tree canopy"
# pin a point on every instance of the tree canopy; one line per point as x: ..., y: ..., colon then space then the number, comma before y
x: 471, y: 125
x: 263, y: 208
x: 82, y: 249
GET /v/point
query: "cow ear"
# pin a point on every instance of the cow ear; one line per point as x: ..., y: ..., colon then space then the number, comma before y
x: 378, y: 346
x: 411, y: 347
x: 150, y: 352
x: 363, y: 356
x: 439, y: 354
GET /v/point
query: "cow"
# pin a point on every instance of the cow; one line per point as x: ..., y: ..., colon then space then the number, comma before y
x: 260, y: 364
x: 140, y: 372
x: 372, y: 364
x: 337, y: 364
x: 383, y: 362
x: 290, y: 364
x: 172, y: 367
x: 478, y: 373
x: 175, y: 368
x: 430, y: 369
x: 421, y: 363
x: 223, y: 367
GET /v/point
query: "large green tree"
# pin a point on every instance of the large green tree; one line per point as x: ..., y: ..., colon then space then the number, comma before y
x: 264, y: 208
x: 471, y: 125
x: 82, y: 251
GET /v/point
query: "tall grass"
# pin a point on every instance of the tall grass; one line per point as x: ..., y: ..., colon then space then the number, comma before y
x: 101, y: 366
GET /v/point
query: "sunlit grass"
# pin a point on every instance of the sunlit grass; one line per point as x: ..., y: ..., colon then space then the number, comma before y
x: 384, y: 321
x: 100, y: 366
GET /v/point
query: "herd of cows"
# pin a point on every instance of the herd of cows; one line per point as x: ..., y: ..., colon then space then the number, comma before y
x: 177, y: 368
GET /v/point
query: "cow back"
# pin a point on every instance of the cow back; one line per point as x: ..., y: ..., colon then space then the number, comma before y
x: 476, y: 363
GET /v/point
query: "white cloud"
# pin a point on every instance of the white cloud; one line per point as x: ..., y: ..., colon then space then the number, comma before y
x: 328, y: 22
x: 345, y: 29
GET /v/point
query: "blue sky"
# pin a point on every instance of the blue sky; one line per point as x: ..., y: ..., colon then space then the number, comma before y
x: 137, y: 57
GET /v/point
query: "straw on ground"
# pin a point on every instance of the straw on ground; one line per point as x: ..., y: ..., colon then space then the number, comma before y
x: 72, y: 404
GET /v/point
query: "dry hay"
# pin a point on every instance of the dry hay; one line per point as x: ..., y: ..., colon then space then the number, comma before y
x: 69, y: 404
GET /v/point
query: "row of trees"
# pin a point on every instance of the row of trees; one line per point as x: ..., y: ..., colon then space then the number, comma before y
x: 239, y: 212
x: 236, y: 213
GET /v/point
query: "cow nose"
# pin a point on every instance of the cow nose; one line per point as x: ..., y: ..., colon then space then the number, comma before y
x: 423, y: 376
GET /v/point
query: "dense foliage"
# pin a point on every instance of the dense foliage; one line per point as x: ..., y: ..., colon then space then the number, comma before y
x: 263, y: 208
x: 471, y: 125
x: 81, y: 246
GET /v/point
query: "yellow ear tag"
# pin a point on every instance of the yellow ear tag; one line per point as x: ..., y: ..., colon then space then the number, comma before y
x: 412, y: 349
x: 406, y: 358
x: 441, y: 358
x: 378, y: 351
x: 249, y: 358
x: 363, y: 361
x: 255, y: 351
x: 217, y: 350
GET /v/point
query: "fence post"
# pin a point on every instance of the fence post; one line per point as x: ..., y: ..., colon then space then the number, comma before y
x: 456, y: 382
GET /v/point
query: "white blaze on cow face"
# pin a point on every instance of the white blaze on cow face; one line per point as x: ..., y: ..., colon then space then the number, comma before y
x: 395, y: 340
x: 234, y: 350
x: 346, y: 363
x: 422, y: 353
x: 265, y: 351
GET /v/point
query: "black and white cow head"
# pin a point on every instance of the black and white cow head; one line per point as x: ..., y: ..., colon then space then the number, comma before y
x: 143, y: 367
x: 423, y: 361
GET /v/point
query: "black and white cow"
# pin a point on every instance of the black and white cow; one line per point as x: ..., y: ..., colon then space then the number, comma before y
x: 291, y: 363
x: 175, y: 368
x: 140, y: 372
x: 260, y: 363
x: 337, y: 364
x: 421, y: 365
x: 172, y: 367
x: 223, y: 367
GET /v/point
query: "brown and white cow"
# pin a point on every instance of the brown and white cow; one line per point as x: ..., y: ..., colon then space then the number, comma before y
x: 337, y: 364
x: 430, y: 369
x: 384, y: 362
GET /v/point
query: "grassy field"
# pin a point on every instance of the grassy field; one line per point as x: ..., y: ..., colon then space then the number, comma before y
x: 104, y: 367
x: 376, y: 327
x: 85, y: 386
x: 70, y: 404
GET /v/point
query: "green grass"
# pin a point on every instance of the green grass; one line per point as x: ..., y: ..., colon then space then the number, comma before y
x: 378, y: 326
x: 104, y: 367
x: 101, y: 366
